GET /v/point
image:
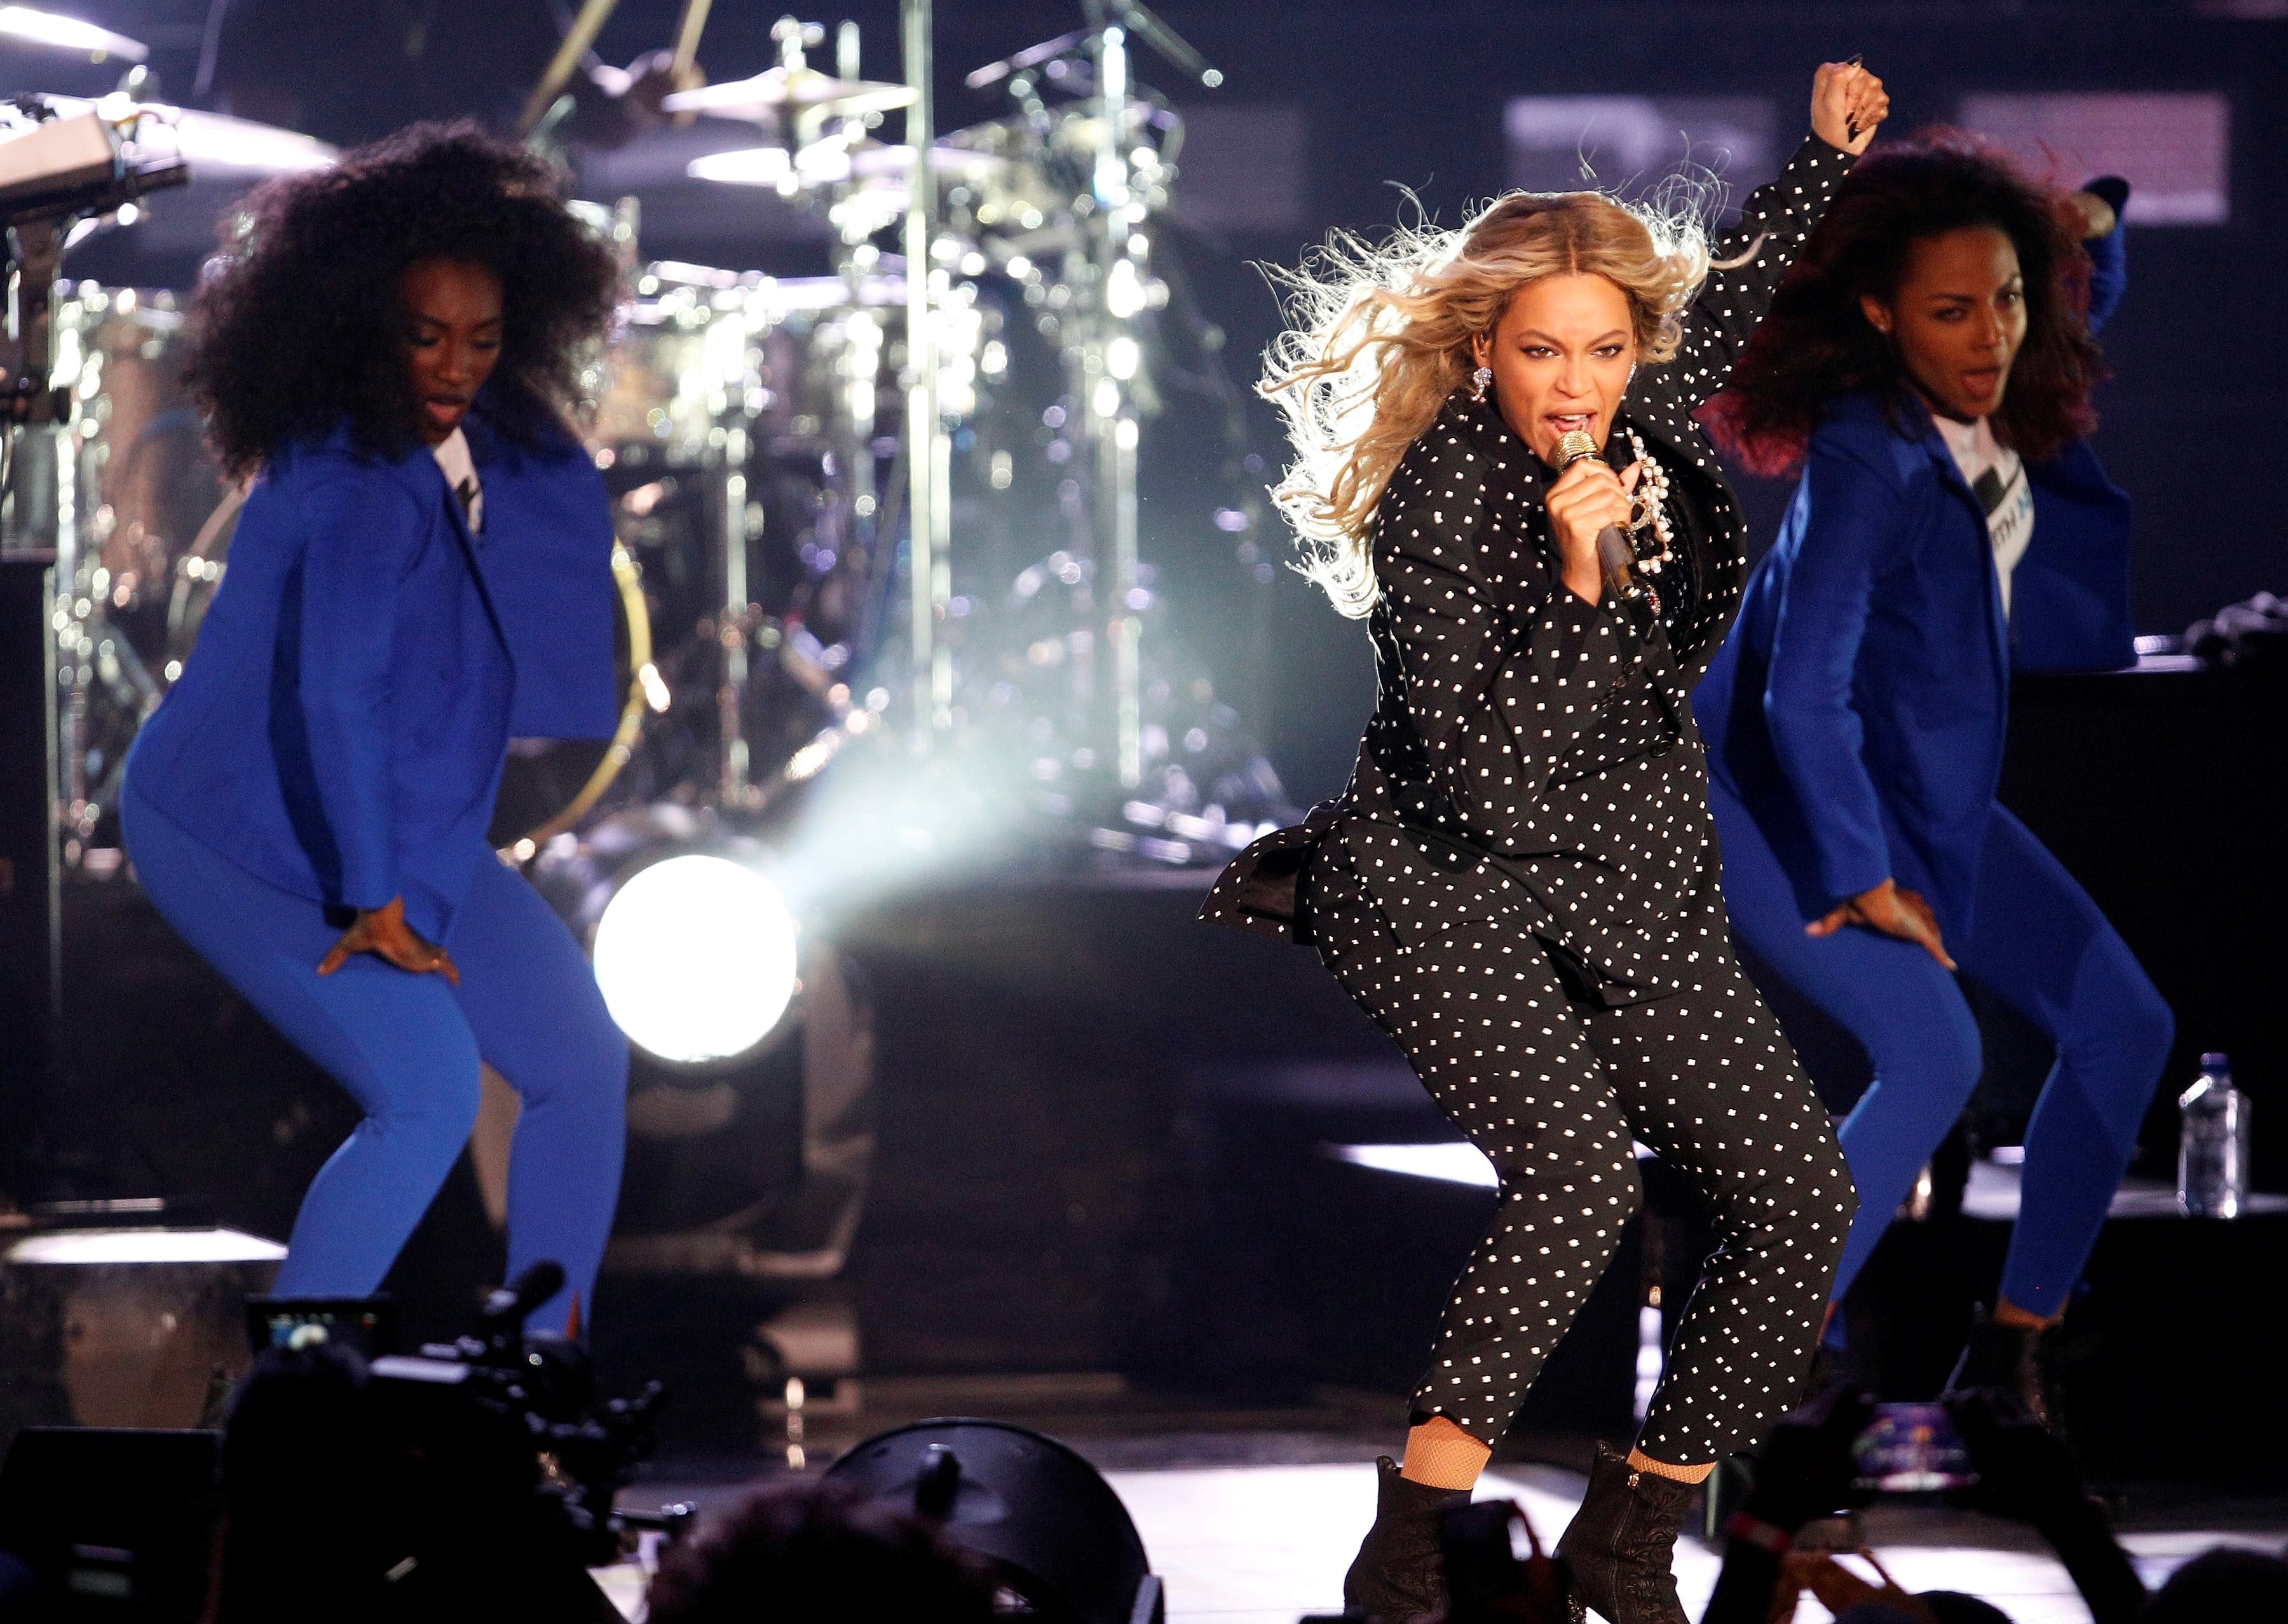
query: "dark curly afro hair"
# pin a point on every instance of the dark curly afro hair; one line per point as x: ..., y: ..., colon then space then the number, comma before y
x: 1814, y: 343
x: 299, y: 327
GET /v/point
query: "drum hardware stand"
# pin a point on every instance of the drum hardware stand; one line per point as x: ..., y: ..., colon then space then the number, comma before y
x: 857, y: 368
x: 32, y: 404
x: 929, y: 449
x: 36, y: 600
x: 1109, y: 366
x: 35, y: 258
x: 1126, y: 182
x: 735, y: 627
x: 850, y: 441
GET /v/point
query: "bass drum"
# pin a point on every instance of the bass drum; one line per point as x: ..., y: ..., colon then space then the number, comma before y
x: 745, y: 425
x: 778, y: 394
x: 547, y: 785
x: 121, y: 498
x: 147, y: 487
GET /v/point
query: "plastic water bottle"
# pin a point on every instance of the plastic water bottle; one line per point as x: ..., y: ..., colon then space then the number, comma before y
x: 2212, y: 1147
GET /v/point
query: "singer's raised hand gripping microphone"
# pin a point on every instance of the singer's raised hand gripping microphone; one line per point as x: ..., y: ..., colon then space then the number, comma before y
x: 1615, y: 559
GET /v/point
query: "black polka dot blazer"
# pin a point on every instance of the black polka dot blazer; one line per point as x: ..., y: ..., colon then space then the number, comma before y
x: 1531, y: 754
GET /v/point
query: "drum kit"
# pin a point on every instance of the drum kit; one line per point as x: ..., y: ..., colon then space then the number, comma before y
x: 787, y: 455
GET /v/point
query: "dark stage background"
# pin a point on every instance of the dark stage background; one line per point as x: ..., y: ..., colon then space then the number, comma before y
x: 1328, y: 108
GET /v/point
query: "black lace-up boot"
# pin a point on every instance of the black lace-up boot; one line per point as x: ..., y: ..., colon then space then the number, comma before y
x: 1398, y: 1574
x: 2020, y: 1361
x: 1622, y: 1542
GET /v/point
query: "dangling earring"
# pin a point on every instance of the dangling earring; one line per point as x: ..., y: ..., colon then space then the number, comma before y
x: 1480, y: 381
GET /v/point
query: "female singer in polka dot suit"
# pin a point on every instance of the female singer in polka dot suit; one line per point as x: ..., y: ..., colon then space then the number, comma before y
x: 1520, y: 884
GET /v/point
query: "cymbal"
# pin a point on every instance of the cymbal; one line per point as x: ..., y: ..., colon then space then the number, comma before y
x: 774, y: 296
x: 791, y: 295
x: 869, y: 159
x: 769, y: 166
x: 27, y: 25
x: 828, y: 164
x: 782, y: 91
x: 218, y: 146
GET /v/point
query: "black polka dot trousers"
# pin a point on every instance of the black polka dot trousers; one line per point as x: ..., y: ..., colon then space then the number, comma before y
x: 1553, y: 1087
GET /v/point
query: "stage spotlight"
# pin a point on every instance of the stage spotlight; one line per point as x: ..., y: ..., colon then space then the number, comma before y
x: 695, y: 957
x: 751, y: 1081
x: 1061, y: 1544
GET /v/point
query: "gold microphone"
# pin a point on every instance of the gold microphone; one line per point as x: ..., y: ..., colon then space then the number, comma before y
x: 1616, y: 561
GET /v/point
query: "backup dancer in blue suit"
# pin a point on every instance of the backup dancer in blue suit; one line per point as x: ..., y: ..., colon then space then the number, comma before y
x: 1928, y: 364
x: 422, y: 570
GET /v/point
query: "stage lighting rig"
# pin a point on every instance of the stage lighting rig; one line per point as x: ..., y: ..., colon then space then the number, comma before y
x: 696, y: 955
x: 750, y: 1083
x: 693, y: 946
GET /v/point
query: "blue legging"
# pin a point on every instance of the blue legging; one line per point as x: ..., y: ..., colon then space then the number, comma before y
x: 406, y: 1047
x: 2038, y: 942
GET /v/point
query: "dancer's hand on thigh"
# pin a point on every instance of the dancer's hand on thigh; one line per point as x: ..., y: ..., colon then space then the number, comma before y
x: 384, y: 933
x: 1891, y: 909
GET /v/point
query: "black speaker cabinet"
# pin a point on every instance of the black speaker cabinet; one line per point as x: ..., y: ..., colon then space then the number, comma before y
x: 30, y: 919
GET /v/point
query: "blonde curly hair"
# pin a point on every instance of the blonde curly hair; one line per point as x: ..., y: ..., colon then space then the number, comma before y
x: 1377, y: 338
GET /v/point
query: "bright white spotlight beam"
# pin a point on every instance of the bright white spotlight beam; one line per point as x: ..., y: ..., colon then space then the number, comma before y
x: 695, y: 957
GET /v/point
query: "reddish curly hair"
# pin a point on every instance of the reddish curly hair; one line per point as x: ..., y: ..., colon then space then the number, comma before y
x: 1816, y: 344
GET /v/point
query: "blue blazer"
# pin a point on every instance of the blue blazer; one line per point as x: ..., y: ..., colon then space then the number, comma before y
x: 1858, y: 708
x: 340, y: 728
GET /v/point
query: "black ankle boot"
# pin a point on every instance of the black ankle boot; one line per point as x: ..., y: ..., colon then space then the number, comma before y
x: 2020, y: 1361
x: 1622, y: 1542
x: 1398, y: 1574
